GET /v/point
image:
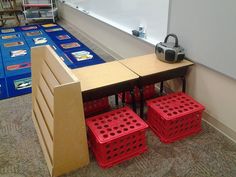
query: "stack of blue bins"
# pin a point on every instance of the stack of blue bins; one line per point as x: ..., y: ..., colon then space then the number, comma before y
x: 15, y: 57
x: 16, y: 67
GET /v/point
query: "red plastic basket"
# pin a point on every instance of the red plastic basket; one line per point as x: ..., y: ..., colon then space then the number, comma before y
x: 174, y: 116
x: 96, y: 106
x: 148, y: 92
x: 116, y: 136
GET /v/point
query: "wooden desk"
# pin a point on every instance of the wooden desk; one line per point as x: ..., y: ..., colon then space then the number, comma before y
x: 151, y: 70
x: 106, y: 79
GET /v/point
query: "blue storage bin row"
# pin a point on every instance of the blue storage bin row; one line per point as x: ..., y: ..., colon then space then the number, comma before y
x: 15, y: 76
x: 16, y: 71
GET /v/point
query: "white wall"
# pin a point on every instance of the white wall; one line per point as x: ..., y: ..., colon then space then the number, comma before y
x: 212, y: 89
x: 207, y: 31
x: 121, y: 43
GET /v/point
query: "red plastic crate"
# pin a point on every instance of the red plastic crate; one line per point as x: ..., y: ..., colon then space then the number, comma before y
x: 174, y: 116
x: 116, y: 136
x: 148, y: 92
x: 96, y: 106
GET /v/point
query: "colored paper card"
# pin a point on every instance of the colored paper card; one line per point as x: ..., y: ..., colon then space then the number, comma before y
x: 82, y: 55
x: 19, y: 66
x: 26, y: 28
x: 63, y: 37
x: 70, y: 45
x: 34, y: 33
x: 49, y: 25
x: 40, y: 40
x: 17, y: 53
x: 8, y: 30
x: 14, y: 44
x: 10, y: 36
x: 23, y: 83
x: 53, y: 30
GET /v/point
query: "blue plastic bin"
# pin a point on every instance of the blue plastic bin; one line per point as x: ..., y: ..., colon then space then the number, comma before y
x: 12, y: 56
x: 8, y: 30
x: 31, y: 41
x: 17, y: 68
x: 82, y: 63
x: 29, y: 28
x: 62, y: 36
x: 4, y: 38
x: 19, y: 85
x: 8, y: 48
x: 70, y: 42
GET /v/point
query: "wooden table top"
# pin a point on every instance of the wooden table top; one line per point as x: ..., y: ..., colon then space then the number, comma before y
x: 149, y: 64
x: 101, y: 75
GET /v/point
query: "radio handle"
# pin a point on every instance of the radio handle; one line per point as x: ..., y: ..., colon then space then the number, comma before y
x: 174, y: 36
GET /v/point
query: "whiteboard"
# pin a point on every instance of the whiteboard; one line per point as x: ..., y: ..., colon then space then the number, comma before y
x: 207, y: 31
x: 130, y: 14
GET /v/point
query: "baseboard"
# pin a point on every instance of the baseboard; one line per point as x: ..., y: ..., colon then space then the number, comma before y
x: 228, y: 132
x: 213, y: 122
x: 90, y: 38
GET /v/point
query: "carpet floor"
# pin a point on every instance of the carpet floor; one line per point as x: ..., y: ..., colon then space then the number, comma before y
x: 207, y: 154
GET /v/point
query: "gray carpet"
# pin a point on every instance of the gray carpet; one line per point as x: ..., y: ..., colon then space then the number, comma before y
x: 208, y: 154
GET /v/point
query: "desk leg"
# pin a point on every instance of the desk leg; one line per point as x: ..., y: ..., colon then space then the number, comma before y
x: 133, y: 100
x: 123, y: 98
x: 184, y: 84
x: 161, y: 88
x: 116, y: 99
x: 141, y: 101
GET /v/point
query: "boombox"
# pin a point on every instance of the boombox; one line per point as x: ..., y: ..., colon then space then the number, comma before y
x: 170, y: 52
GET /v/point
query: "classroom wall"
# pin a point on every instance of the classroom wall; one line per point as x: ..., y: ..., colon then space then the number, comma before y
x: 212, y: 89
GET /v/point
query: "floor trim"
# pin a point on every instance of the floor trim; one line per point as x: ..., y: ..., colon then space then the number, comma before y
x: 228, y: 132
x: 213, y: 122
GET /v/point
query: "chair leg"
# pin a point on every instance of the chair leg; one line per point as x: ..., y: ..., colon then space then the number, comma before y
x: 17, y: 19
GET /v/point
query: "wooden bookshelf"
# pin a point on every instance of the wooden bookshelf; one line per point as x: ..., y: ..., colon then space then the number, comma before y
x: 57, y: 112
